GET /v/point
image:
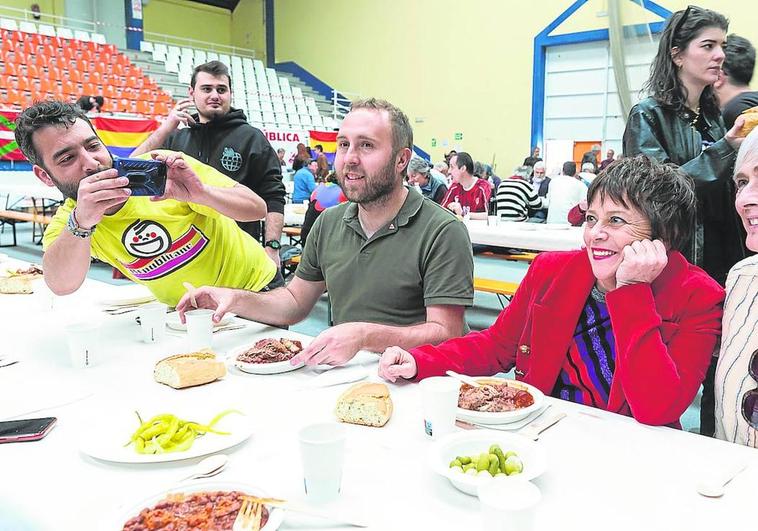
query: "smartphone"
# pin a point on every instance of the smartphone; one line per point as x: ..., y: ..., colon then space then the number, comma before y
x: 146, y: 177
x: 26, y: 429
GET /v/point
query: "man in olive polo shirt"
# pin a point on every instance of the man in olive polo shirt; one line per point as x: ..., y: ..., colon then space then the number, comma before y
x: 398, y: 267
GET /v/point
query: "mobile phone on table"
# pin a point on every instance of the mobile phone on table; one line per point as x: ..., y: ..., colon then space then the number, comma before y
x: 25, y: 429
x: 146, y: 177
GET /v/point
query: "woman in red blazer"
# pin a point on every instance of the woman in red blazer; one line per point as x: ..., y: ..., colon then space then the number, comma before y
x: 627, y: 325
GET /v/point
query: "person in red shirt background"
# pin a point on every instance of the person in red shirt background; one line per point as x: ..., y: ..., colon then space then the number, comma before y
x: 468, y: 195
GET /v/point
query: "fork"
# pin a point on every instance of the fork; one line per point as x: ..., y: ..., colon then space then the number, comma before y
x: 248, y: 517
x: 534, y: 429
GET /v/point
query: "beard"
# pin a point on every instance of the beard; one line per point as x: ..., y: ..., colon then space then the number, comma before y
x: 71, y: 190
x: 376, y: 186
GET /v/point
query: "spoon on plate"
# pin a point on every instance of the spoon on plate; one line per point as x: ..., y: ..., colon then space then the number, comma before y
x: 208, y: 467
x: 463, y: 378
x: 714, y: 487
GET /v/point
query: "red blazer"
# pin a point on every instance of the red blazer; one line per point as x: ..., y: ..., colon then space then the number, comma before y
x: 665, y: 334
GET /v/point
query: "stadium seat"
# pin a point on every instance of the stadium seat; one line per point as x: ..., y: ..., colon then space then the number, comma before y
x: 27, y: 27
x: 9, y: 24
x: 81, y: 35
x: 46, y: 29
x: 98, y: 38
x: 212, y: 56
x: 145, y: 46
x: 64, y: 33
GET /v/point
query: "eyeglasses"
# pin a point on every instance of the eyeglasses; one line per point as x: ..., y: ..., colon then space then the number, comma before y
x: 750, y: 398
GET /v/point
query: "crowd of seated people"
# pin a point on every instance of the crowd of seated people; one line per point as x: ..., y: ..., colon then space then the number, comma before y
x: 644, y: 298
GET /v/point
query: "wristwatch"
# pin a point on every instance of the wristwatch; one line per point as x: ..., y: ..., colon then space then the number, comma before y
x: 274, y: 244
x: 73, y: 227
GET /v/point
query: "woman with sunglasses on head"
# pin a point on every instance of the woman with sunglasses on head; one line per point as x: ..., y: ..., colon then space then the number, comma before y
x: 681, y: 123
x: 737, y: 371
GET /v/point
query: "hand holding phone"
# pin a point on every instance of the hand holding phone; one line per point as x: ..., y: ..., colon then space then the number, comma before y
x: 147, y: 177
x: 26, y: 429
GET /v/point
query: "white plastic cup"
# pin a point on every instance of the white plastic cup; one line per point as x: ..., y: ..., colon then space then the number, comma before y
x: 199, y: 328
x: 508, y: 504
x: 306, y: 201
x: 322, y: 450
x: 83, y: 343
x: 492, y: 221
x: 152, y: 318
x: 439, y: 401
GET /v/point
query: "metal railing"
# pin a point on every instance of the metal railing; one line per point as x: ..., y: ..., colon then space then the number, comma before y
x: 195, y: 44
x: 341, y: 103
x: 24, y: 15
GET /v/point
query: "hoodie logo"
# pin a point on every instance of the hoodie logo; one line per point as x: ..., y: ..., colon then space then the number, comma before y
x: 231, y: 160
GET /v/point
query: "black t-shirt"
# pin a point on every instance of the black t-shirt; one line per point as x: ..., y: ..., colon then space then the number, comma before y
x: 740, y: 103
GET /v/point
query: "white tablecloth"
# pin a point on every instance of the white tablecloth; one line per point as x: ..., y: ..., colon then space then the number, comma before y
x: 604, y: 471
x: 534, y: 236
x: 25, y: 184
x: 294, y: 214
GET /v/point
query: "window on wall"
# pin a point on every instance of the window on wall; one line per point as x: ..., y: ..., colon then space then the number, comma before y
x: 581, y: 100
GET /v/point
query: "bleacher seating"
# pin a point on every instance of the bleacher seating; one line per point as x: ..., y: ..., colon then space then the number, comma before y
x: 44, y: 62
x: 267, y: 99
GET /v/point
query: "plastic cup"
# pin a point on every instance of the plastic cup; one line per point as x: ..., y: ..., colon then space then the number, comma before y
x: 439, y: 399
x: 83, y: 343
x: 152, y: 319
x: 492, y: 221
x: 509, y: 504
x: 199, y: 328
x: 322, y: 450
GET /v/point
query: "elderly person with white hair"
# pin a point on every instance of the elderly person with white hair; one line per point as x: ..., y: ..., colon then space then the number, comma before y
x: 431, y: 186
x: 541, y: 185
x: 587, y: 175
x: 736, y: 379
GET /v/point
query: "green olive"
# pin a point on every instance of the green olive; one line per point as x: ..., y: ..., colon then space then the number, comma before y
x: 455, y: 462
x: 483, y: 462
x: 464, y: 459
x: 494, y: 467
x: 513, y: 465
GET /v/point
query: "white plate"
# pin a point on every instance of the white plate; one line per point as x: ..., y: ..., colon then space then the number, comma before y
x: 106, y: 440
x: 125, y: 295
x: 174, y: 323
x: 122, y: 515
x: 478, y: 441
x: 260, y: 368
x: 503, y: 417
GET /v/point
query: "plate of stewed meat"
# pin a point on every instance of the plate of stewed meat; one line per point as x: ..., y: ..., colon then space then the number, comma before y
x: 498, y: 401
x: 267, y: 356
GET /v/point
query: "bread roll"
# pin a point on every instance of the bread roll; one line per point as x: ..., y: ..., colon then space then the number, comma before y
x: 365, y: 403
x: 751, y: 121
x: 16, y: 284
x: 187, y: 370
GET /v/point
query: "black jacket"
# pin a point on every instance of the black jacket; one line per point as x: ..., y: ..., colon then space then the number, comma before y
x: 666, y: 134
x: 238, y: 150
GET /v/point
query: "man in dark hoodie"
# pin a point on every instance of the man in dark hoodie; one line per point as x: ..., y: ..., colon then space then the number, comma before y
x: 221, y: 137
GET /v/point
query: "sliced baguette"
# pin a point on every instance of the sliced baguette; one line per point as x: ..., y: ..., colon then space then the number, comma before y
x: 366, y: 403
x: 17, y: 284
x: 187, y: 370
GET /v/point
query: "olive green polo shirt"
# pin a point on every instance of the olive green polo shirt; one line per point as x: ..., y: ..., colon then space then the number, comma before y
x: 421, y: 258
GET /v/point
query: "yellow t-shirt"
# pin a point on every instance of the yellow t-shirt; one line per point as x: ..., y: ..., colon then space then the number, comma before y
x: 162, y: 244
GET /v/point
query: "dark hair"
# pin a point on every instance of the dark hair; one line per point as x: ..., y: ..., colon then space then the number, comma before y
x: 569, y: 168
x: 463, y: 159
x: 662, y: 192
x: 664, y: 84
x: 214, y: 68
x: 100, y: 101
x: 84, y: 103
x: 739, y: 60
x: 319, y: 147
x: 44, y: 114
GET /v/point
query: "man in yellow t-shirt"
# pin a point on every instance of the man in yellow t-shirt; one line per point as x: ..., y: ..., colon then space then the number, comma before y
x: 186, y: 235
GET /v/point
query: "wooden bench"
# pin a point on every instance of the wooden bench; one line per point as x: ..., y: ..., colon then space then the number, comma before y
x: 503, y: 290
x: 293, y: 233
x: 517, y: 257
x: 289, y: 266
x: 11, y: 217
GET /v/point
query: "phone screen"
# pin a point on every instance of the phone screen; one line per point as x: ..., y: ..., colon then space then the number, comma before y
x: 25, y: 429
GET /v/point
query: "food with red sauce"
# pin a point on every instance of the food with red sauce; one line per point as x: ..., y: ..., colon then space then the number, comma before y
x: 206, y: 511
x: 494, y: 398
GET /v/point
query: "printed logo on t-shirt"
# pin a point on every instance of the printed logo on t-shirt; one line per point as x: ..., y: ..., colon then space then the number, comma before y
x: 231, y: 160
x: 156, y: 254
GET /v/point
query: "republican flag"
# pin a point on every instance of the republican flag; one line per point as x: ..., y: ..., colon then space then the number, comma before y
x: 122, y: 135
x: 328, y: 141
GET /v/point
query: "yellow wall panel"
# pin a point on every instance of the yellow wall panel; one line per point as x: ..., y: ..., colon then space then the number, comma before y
x: 248, y: 28
x: 453, y: 67
x: 181, y: 18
